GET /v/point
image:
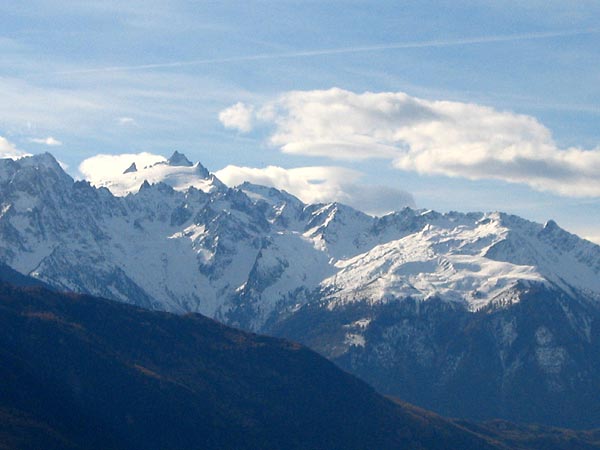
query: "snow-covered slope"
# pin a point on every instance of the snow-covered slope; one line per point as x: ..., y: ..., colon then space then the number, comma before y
x: 181, y: 240
x: 449, y: 263
x: 471, y: 258
x: 178, y: 172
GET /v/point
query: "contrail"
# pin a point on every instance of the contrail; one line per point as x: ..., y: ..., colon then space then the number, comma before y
x: 342, y: 50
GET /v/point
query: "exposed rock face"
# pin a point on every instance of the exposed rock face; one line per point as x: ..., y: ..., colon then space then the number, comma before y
x: 131, y: 169
x: 534, y: 361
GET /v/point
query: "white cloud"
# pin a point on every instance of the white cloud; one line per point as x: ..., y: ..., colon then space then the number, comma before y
x: 8, y: 150
x: 50, y: 141
x: 429, y: 137
x: 322, y: 185
x: 97, y: 169
x: 311, y: 184
x: 124, y: 121
x: 238, y: 116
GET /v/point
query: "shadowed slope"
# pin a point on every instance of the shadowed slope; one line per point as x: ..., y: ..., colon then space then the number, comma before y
x: 98, y: 374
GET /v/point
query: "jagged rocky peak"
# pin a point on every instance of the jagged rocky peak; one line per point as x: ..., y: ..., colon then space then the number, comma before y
x: 269, y: 194
x: 26, y: 171
x: 145, y: 185
x: 203, y: 172
x: 131, y: 169
x: 179, y: 159
x: 40, y: 160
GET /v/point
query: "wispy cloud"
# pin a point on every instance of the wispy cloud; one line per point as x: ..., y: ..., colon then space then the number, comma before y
x: 343, y: 50
x: 126, y: 121
x: 105, y: 107
x: 49, y: 141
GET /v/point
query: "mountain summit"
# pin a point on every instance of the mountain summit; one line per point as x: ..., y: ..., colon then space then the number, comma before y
x: 179, y: 159
x: 177, y: 171
x: 132, y: 168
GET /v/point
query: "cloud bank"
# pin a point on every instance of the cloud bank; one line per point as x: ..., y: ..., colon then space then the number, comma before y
x: 310, y: 184
x: 100, y: 168
x: 322, y: 184
x: 428, y: 137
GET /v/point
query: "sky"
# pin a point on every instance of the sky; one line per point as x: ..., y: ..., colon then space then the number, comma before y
x: 445, y: 105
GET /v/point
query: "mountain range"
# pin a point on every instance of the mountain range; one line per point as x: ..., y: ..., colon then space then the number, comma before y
x: 474, y: 315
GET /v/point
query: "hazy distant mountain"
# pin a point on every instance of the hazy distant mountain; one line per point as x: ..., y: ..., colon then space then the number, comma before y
x: 476, y: 315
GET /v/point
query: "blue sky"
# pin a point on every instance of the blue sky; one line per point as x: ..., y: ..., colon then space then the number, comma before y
x: 154, y: 76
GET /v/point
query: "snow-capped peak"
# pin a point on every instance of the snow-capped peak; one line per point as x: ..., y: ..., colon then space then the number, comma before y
x: 165, y: 235
x: 270, y: 195
x: 178, y: 172
x: 26, y: 171
x: 40, y: 160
